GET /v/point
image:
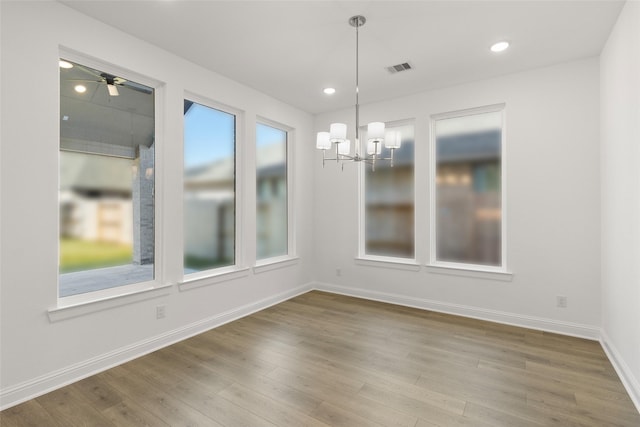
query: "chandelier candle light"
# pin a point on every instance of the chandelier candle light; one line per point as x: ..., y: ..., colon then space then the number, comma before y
x: 375, y: 131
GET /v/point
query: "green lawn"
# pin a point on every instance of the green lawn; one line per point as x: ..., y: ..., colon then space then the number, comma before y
x: 77, y: 255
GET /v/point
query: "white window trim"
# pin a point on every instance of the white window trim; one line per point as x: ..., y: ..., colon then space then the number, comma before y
x: 389, y: 262
x: 85, y: 303
x: 212, y: 277
x: 434, y: 264
x: 92, y: 302
x: 362, y: 257
x: 239, y: 268
x: 291, y: 218
x: 469, y: 270
x: 275, y: 263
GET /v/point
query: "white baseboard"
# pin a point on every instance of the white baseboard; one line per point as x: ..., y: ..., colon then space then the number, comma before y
x: 630, y: 382
x: 22, y: 392
x: 531, y: 322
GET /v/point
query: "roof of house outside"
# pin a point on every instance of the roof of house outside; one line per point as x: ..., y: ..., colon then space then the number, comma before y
x: 268, y: 158
x: 469, y: 147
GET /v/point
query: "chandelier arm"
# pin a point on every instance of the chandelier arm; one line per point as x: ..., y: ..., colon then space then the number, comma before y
x: 369, y: 159
x: 345, y: 158
x: 377, y: 159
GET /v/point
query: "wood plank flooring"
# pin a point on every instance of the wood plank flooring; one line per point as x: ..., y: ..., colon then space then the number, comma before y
x: 329, y: 360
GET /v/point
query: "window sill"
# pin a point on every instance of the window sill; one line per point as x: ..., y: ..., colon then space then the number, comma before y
x: 211, y: 277
x: 274, y: 264
x: 475, y: 273
x: 80, y: 305
x: 383, y: 262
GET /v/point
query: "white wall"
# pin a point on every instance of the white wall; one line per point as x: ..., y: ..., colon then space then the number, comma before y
x: 38, y: 354
x: 620, y: 153
x: 553, y: 210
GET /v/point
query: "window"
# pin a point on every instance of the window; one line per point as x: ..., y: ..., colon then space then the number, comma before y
x: 389, y: 200
x: 468, y: 183
x: 209, y: 188
x: 106, y: 181
x: 271, y: 192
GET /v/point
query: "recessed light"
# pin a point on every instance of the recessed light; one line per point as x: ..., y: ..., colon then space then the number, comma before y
x: 65, y: 118
x: 329, y: 90
x: 500, y: 46
x: 65, y: 64
x: 80, y: 88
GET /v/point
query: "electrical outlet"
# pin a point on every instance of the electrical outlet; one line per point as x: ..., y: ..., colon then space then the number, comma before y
x: 561, y: 301
x: 338, y: 272
x: 161, y: 311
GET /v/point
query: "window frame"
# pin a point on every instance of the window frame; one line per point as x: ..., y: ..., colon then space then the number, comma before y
x: 440, y: 266
x: 260, y: 264
x: 238, y: 268
x: 362, y: 257
x: 72, y: 302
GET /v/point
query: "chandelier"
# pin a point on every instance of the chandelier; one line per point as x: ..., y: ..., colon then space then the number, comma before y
x: 376, y: 136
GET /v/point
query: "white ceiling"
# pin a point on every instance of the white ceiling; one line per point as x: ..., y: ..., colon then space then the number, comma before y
x: 291, y: 50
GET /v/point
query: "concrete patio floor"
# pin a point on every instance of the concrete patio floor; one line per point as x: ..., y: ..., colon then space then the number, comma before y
x: 81, y: 282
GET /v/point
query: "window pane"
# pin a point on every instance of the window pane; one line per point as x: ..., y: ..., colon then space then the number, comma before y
x: 271, y: 192
x: 106, y: 195
x: 209, y: 188
x: 468, y: 189
x: 389, y: 201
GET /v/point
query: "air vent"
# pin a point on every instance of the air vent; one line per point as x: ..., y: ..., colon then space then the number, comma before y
x: 405, y: 66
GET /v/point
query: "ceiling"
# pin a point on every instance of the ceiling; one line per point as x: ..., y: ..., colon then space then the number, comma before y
x: 291, y: 50
x: 96, y: 122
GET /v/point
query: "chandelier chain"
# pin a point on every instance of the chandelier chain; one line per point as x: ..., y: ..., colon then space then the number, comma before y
x: 357, y: 141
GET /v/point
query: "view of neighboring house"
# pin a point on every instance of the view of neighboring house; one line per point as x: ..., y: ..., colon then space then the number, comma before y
x: 468, y: 220
x: 95, y: 198
x: 209, y: 213
x: 389, y: 202
x: 271, y: 194
x: 210, y: 208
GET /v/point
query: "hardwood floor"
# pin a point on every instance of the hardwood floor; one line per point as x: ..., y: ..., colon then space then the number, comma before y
x: 328, y: 360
